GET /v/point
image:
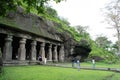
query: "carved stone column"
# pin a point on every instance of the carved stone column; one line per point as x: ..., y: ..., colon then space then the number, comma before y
x: 50, y: 52
x: 71, y: 50
x: 22, y: 50
x: 55, y: 54
x: 61, y: 53
x: 7, y: 53
x: 42, y: 51
x: 33, y: 51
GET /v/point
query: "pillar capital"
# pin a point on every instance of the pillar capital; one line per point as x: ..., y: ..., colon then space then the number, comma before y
x: 23, y: 41
x: 34, y: 43
x: 9, y: 38
x: 42, y: 44
x: 55, y: 47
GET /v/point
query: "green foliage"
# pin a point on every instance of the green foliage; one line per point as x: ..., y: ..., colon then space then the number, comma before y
x: 96, y: 50
x: 51, y: 12
x: 39, y: 5
x: 84, y: 43
x: 103, y: 42
x: 74, y: 33
x: 107, y: 56
x: 112, y: 14
x: 7, y: 5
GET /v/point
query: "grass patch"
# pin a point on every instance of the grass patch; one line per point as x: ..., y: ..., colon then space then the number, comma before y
x: 101, y: 65
x: 52, y: 73
x: 97, y: 65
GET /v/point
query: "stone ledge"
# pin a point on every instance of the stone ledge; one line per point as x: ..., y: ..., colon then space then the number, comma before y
x: 17, y: 62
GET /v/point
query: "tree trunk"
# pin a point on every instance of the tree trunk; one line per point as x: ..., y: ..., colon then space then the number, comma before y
x: 118, y: 35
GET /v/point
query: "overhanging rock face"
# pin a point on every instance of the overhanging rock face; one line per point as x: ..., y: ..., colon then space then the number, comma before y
x: 25, y: 37
x: 30, y: 23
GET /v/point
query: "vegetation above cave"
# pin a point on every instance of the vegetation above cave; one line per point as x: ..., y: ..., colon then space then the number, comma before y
x: 66, y: 32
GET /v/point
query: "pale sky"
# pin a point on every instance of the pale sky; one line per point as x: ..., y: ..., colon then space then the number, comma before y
x: 86, y: 13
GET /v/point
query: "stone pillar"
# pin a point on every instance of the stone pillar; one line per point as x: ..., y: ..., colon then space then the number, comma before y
x: 33, y: 51
x: 61, y: 53
x: 50, y: 53
x: 71, y: 50
x: 42, y: 51
x: 55, y: 54
x: 7, y: 53
x: 22, y: 50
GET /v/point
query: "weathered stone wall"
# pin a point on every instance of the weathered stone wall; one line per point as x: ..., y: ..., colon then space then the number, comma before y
x: 1, y: 62
x: 35, y: 27
x: 30, y: 23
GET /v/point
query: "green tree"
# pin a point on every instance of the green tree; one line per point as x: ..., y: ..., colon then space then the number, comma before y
x: 52, y: 12
x: 7, y: 5
x: 112, y: 13
x: 82, y: 30
x: 115, y: 47
x: 64, y: 21
x: 103, y: 42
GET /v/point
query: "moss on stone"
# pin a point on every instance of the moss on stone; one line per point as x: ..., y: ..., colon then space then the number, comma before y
x: 8, y: 22
x: 11, y: 23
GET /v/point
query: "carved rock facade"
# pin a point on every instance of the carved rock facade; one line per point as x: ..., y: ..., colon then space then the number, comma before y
x: 24, y: 37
